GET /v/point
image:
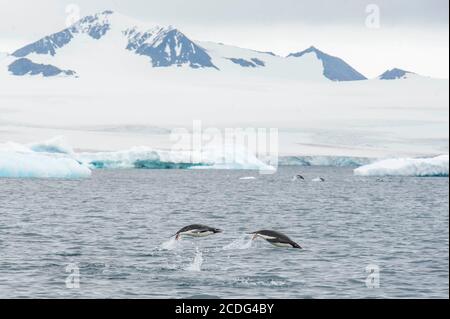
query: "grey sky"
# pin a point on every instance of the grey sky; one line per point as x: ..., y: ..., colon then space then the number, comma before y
x: 413, y: 34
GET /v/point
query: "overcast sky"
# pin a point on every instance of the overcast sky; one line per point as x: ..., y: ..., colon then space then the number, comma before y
x: 409, y: 34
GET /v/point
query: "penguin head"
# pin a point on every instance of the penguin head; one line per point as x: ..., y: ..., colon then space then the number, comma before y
x: 295, y: 245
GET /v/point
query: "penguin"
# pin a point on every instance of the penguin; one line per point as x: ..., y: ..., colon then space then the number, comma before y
x: 275, y: 238
x: 197, y: 230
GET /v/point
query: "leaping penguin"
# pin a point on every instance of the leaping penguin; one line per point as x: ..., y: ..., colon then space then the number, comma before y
x: 197, y: 230
x: 275, y: 238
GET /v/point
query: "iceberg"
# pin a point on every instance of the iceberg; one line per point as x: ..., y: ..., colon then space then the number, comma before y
x: 55, y: 145
x: 136, y: 157
x: 421, y: 167
x: 148, y: 158
x: 55, y: 158
x: 40, y: 165
x: 50, y: 159
x: 334, y: 161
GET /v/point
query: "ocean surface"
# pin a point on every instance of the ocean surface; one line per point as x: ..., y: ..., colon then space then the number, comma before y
x: 109, y: 236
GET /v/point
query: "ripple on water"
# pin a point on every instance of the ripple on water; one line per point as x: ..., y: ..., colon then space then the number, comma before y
x: 116, y: 225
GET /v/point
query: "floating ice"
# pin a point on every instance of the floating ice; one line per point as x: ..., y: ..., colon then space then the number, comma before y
x: 55, y: 158
x: 137, y: 157
x: 335, y: 161
x: 57, y: 149
x: 436, y: 166
x: 40, y: 165
x: 145, y: 157
x: 54, y: 145
x: 42, y: 160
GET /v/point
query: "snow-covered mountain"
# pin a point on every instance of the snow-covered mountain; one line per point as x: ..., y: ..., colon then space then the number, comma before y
x: 109, y: 41
x: 395, y: 74
x: 165, y: 46
x: 110, y: 82
x: 24, y: 66
x: 118, y: 38
x: 334, y: 68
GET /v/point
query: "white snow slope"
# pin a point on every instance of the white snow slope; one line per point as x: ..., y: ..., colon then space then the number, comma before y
x: 119, y: 100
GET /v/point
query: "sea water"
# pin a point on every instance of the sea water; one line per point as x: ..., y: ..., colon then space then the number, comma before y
x: 109, y: 236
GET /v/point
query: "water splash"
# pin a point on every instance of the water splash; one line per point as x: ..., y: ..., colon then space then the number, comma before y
x: 171, y: 244
x: 244, y: 242
x: 196, y: 265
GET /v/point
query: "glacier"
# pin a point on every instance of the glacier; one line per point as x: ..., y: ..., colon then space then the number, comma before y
x: 420, y: 167
x: 55, y: 158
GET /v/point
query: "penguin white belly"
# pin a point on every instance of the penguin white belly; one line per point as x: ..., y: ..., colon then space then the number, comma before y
x: 195, y: 233
x: 282, y: 245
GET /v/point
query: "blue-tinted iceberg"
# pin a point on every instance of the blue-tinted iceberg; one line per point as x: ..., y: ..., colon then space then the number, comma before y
x: 55, y: 145
x: 148, y: 158
x: 49, y: 159
x: 40, y: 165
x: 422, y: 167
x: 332, y: 161
x: 56, y: 159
